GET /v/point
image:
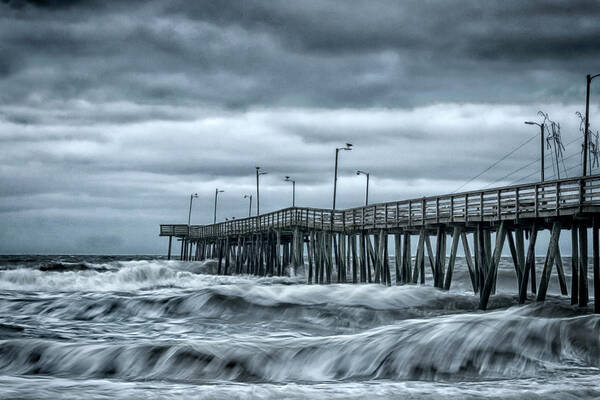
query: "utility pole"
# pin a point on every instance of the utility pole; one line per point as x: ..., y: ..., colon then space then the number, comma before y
x: 588, y: 80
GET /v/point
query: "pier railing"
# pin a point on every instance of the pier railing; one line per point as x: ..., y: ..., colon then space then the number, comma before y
x: 534, y: 200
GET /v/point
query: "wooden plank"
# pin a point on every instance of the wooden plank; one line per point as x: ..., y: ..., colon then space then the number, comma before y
x: 596, y: 263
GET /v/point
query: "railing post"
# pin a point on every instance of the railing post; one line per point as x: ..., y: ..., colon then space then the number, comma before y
x: 499, y: 205
x: 481, y: 206
x: 557, y: 197
x: 536, y: 200
x: 437, y: 209
x: 423, y: 211
x: 517, y: 205
x: 409, y: 213
x: 385, y: 219
x: 451, y: 208
x: 581, y: 194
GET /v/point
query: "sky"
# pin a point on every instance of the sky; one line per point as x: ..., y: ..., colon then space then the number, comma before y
x: 113, y: 113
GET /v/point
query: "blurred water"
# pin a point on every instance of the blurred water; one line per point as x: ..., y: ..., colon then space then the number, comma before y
x: 138, y: 327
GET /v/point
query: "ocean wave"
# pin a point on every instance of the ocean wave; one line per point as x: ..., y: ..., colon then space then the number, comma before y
x: 501, y: 344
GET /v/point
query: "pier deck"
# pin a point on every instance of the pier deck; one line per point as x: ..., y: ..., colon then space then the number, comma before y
x: 351, y: 244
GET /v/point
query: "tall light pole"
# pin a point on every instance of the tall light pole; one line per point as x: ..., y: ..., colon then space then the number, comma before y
x: 337, y: 151
x: 588, y: 79
x: 258, y: 173
x: 367, y: 195
x: 217, y: 191
x: 249, y: 196
x: 541, y: 143
x: 287, y: 179
x: 192, y: 197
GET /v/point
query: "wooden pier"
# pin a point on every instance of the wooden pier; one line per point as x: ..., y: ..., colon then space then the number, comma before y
x: 351, y: 245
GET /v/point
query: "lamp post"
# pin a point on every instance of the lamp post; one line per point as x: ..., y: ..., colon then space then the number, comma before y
x: 217, y: 191
x: 287, y: 179
x: 258, y: 173
x: 587, y: 122
x: 541, y: 143
x: 249, y: 196
x: 337, y: 151
x: 192, y: 197
x: 367, y: 175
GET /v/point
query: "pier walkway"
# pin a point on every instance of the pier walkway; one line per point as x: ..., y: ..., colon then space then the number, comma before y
x: 351, y: 245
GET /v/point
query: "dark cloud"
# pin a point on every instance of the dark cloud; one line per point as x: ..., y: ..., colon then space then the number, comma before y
x: 111, y: 113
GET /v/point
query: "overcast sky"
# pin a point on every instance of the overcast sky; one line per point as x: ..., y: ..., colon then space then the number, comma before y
x: 112, y: 113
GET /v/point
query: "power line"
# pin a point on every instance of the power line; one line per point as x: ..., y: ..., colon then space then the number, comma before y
x: 496, y: 163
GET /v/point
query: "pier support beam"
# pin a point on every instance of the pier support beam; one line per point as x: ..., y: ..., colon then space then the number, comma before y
x: 492, y: 272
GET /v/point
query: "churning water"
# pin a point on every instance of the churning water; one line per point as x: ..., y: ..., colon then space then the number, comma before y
x: 109, y: 327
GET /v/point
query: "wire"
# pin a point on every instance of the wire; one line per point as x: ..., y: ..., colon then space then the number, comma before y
x: 496, y: 163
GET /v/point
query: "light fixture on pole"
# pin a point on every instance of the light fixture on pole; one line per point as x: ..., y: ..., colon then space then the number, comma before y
x: 541, y: 144
x: 192, y: 197
x: 367, y: 194
x: 249, y: 196
x: 287, y: 179
x: 217, y: 191
x: 337, y: 151
x: 258, y: 173
x: 586, y: 133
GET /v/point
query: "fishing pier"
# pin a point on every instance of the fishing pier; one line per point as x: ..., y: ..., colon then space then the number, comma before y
x: 351, y: 245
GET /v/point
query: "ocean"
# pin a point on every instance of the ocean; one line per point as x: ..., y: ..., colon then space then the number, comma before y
x: 138, y: 327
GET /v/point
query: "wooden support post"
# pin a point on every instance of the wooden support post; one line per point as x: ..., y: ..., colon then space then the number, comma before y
x: 398, y: 259
x: 328, y: 249
x: 492, y: 272
x: 363, y: 257
x: 440, y: 258
x: 550, y: 255
x: 520, y: 247
x: 562, y: 280
x: 309, y: 254
x: 515, y: 258
x: 596, y: 264
x: 336, y: 253
x: 386, y: 263
x: 455, y: 236
x: 470, y: 264
x: 419, y: 259
x: 583, y: 264
x: 371, y: 259
x: 379, y: 257
x: 220, y: 264
x: 353, y: 255
x: 169, y: 253
x: 430, y: 255
x: 529, y: 265
x: 574, y: 266
x: 407, y: 272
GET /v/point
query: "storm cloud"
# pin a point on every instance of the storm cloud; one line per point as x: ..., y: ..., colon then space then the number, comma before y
x: 112, y: 113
